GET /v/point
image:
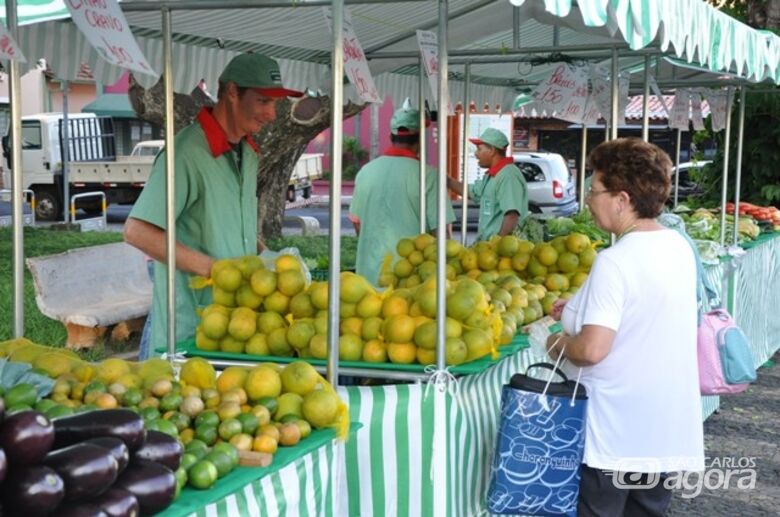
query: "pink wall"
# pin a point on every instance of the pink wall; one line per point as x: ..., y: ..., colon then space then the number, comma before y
x: 120, y: 86
x: 321, y: 143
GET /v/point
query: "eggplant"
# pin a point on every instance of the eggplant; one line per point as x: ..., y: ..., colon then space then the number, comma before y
x: 3, y: 467
x: 87, y: 469
x: 2, y: 409
x: 119, y: 423
x: 116, y: 446
x: 80, y: 509
x: 161, y: 448
x: 118, y: 502
x: 32, y: 491
x: 26, y: 437
x: 152, y: 484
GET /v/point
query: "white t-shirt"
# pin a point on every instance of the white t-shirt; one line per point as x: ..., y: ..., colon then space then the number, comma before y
x: 644, y: 408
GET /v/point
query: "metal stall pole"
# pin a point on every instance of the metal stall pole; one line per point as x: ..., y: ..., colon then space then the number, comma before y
x: 677, y: 147
x: 583, y: 159
x: 441, y: 230
x: 423, y: 145
x: 725, y: 182
x: 336, y: 131
x: 65, y: 150
x: 737, y: 186
x: 515, y: 27
x: 615, y: 105
x: 646, y: 102
x: 464, y: 229
x: 170, y: 182
x: 15, y: 93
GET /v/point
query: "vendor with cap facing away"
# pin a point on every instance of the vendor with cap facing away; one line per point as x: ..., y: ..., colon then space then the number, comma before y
x: 386, y: 200
x: 216, y: 163
x: 502, y: 193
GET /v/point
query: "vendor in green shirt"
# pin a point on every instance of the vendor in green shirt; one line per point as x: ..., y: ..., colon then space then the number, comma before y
x: 502, y: 192
x: 215, y: 197
x: 386, y: 201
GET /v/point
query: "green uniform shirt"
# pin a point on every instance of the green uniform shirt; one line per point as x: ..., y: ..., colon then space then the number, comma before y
x: 216, y: 214
x: 386, y: 199
x: 498, y: 195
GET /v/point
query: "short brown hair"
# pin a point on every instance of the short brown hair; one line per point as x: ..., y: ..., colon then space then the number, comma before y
x: 638, y: 168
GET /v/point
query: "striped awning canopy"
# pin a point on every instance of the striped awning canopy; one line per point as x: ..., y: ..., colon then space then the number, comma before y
x: 205, y: 40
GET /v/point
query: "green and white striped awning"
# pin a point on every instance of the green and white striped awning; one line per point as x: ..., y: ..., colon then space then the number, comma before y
x: 35, y: 11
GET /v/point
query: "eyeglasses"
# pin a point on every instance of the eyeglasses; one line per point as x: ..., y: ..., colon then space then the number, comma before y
x: 591, y: 193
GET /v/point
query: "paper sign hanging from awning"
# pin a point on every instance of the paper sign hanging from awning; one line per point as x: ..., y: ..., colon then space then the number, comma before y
x: 658, y: 94
x: 106, y: 29
x: 679, y: 117
x: 555, y: 92
x: 9, y: 50
x: 575, y: 109
x: 719, y: 101
x: 602, y: 94
x: 696, y: 115
x: 355, y: 64
x: 428, y: 43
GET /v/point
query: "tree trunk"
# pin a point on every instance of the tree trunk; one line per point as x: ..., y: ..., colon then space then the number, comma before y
x: 281, y: 142
x: 764, y: 14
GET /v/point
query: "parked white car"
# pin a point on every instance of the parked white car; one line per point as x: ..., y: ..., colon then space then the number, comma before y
x: 551, y: 188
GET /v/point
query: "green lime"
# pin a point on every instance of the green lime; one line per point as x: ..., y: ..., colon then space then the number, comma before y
x: 229, y: 449
x: 181, y: 476
x: 249, y: 423
x: 164, y: 426
x: 170, y: 402
x: 18, y: 407
x: 222, y: 461
x: 270, y: 403
x: 132, y: 397
x: 189, y: 459
x: 149, y: 413
x: 44, y: 405
x: 23, y: 394
x: 58, y: 411
x: 180, y: 420
x: 85, y: 408
x: 289, y: 418
x: 304, y: 427
x: 208, y: 417
x: 175, y: 388
x: 206, y: 433
x: 95, y: 386
x: 197, y: 448
x: 229, y: 428
x: 202, y: 475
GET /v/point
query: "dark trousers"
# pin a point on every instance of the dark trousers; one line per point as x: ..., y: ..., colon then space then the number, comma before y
x: 600, y: 497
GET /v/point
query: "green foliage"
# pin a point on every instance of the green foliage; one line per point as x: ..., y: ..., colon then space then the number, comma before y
x: 38, y: 242
x: 354, y: 156
x: 760, y: 159
x: 316, y: 249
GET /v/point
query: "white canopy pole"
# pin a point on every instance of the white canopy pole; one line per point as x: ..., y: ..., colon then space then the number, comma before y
x: 441, y: 230
x: 464, y: 229
x: 725, y: 182
x: 615, y: 105
x: 15, y: 94
x: 336, y: 131
x: 423, y: 144
x: 170, y: 182
x: 677, y: 147
x: 646, y: 102
x: 740, y: 138
x: 583, y: 160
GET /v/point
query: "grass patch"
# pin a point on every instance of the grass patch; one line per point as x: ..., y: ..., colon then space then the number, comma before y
x: 316, y: 248
x: 38, y: 242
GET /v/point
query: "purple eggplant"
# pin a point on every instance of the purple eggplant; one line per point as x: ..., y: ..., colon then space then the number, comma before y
x: 116, y: 446
x: 87, y: 469
x: 26, y: 437
x: 80, y: 509
x: 152, y: 484
x: 3, y: 466
x: 119, y: 423
x: 118, y: 502
x: 2, y: 409
x: 161, y: 448
x: 32, y: 491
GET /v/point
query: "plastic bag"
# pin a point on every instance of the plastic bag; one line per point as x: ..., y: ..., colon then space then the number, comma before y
x: 269, y: 260
x: 538, y: 332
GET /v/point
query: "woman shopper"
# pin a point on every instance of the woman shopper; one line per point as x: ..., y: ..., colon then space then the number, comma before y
x: 632, y: 329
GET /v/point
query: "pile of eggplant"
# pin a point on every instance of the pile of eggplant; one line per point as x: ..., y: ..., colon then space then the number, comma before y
x: 100, y: 463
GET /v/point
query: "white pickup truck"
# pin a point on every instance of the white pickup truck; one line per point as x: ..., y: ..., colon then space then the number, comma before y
x: 93, y: 164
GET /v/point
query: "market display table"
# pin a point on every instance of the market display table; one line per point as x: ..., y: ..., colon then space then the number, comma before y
x: 302, y: 480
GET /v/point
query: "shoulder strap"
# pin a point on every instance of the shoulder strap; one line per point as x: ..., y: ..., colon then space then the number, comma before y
x: 705, y: 292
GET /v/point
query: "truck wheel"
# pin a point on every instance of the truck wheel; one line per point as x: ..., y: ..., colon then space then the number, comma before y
x: 307, y: 193
x: 48, y: 206
x: 291, y: 194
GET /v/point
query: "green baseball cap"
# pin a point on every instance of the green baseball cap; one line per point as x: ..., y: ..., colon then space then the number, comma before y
x: 405, y: 121
x: 492, y: 137
x: 258, y: 72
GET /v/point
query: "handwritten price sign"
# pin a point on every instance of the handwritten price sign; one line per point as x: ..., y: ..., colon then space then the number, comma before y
x: 8, y: 48
x: 355, y: 64
x: 105, y: 27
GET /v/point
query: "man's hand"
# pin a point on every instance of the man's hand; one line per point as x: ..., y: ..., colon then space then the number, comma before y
x: 557, y: 309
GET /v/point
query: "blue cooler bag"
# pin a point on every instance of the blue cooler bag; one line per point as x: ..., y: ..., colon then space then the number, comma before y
x: 539, y: 448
